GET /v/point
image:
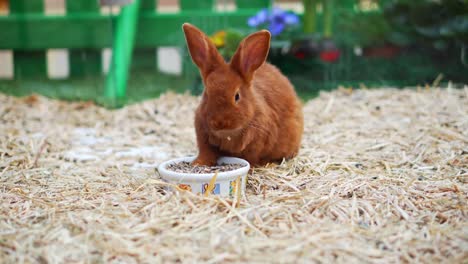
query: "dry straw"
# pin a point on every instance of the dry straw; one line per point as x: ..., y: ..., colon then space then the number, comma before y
x: 381, y: 177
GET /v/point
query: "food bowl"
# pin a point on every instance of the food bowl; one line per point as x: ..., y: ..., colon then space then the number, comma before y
x: 226, y: 184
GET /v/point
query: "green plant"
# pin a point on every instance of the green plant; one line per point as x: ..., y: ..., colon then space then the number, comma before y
x: 227, y: 41
x: 434, y: 24
x: 369, y: 29
x: 233, y: 38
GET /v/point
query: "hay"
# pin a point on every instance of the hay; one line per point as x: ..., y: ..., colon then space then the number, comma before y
x: 381, y: 177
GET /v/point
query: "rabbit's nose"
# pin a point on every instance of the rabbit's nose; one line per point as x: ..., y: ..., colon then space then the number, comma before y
x: 215, y: 124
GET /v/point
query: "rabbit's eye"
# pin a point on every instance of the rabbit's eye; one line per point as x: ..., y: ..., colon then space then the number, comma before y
x: 237, y: 97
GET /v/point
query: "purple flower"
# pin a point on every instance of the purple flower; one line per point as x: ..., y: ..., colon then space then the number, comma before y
x: 291, y: 19
x: 276, y: 28
x: 276, y: 19
x: 260, y: 18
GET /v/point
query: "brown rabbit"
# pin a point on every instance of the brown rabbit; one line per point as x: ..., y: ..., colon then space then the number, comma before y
x: 248, y: 108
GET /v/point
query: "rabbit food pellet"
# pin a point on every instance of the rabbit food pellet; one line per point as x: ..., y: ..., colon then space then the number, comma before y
x: 186, y: 167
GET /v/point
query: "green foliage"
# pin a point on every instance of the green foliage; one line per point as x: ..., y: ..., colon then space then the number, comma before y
x: 366, y: 29
x: 437, y: 24
x: 232, y: 39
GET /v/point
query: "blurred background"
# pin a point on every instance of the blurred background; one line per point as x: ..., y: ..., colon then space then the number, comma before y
x: 116, y: 52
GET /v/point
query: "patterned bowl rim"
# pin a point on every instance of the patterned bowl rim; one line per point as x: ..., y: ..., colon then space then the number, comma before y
x: 203, y: 177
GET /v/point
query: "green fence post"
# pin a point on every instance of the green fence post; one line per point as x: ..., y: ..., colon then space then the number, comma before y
x: 309, y: 20
x: 145, y: 58
x: 148, y: 5
x: 28, y: 63
x: 84, y: 61
x: 122, y: 51
x: 253, y: 4
x: 196, y: 4
x: 328, y: 18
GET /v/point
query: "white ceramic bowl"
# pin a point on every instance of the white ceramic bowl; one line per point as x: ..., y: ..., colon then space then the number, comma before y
x: 197, y: 183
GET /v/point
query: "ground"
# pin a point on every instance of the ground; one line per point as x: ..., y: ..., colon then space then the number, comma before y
x: 381, y: 177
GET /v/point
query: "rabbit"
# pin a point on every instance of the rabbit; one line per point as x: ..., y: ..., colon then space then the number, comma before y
x: 248, y: 108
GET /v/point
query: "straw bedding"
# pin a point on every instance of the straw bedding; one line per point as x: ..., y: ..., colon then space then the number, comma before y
x: 381, y: 177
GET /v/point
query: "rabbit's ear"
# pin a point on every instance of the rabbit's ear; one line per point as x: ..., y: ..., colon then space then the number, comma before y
x: 203, y: 52
x: 251, y: 54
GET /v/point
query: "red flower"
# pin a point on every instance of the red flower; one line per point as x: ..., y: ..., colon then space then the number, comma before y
x: 300, y: 55
x: 330, y: 55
